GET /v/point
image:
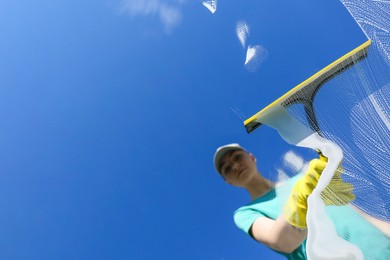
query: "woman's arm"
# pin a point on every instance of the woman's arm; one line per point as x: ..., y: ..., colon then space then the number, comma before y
x: 287, y: 232
x: 277, y: 234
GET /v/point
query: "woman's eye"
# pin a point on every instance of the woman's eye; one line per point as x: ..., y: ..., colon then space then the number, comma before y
x: 238, y: 157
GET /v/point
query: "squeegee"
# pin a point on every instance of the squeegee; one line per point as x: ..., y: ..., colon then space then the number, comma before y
x: 305, y: 92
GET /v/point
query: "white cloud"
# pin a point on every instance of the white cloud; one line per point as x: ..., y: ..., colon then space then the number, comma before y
x: 242, y: 31
x: 282, y: 176
x: 294, y: 162
x: 255, y: 56
x: 211, y: 5
x: 169, y: 14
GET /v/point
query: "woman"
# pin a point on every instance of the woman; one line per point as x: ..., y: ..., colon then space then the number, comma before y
x: 276, y: 215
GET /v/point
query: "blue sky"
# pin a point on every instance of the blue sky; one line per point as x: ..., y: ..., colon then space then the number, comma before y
x: 111, y: 111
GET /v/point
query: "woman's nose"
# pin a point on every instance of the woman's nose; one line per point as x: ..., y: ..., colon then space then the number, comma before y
x: 235, y: 166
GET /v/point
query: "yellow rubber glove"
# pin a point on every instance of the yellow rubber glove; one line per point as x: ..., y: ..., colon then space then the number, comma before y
x: 337, y: 192
x: 296, y: 206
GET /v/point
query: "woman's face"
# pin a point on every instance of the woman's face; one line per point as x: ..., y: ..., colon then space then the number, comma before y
x: 237, y: 166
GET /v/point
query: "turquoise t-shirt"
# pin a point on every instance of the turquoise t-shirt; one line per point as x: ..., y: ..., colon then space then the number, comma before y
x: 269, y: 205
x: 349, y: 224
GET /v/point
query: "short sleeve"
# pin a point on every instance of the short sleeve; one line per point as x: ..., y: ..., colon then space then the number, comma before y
x: 245, y: 217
